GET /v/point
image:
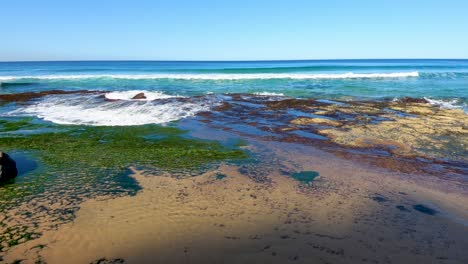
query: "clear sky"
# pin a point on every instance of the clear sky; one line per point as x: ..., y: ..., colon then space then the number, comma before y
x: 232, y: 30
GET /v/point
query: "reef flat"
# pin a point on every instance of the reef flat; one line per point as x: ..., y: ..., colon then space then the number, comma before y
x: 406, y: 135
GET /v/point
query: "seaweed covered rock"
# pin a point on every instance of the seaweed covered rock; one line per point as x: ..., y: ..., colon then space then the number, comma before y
x: 8, y: 168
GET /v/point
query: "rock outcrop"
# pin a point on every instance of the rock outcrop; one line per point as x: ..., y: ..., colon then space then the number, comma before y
x: 139, y: 96
x: 8, y: 168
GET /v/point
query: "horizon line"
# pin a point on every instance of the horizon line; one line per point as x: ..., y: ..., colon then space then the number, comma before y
x: 265, y: 60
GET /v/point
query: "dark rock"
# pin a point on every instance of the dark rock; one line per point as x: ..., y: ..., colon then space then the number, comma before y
x: 139, y: 96
x: 23, y: 97
x: 8, y: 168
x: 414, y: 100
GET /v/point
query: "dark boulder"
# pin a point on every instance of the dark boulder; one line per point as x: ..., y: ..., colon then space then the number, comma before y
x: 8, y: 168
x: 414, y: 100
x: 139, y: 96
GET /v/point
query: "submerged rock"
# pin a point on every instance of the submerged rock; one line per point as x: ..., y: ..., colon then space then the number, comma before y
x: 8, y: 168
x: 139, y: 96
x: 414, y: 100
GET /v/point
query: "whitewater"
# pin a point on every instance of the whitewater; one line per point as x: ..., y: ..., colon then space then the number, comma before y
x: 245, y: 76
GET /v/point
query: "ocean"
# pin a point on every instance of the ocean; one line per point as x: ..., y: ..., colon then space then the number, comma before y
x: 441, y: 82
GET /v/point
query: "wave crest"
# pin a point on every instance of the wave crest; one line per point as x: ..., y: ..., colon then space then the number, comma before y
x: 448, y: 103
x: 214, y: 76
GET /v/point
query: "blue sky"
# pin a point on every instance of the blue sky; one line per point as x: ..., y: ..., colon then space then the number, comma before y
x: 232, y: 30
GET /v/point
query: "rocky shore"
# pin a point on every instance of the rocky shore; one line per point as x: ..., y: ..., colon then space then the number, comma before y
x: 265, y: 179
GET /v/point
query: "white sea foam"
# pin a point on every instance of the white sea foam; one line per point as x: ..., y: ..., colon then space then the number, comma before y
x: 215, y: 76
x: 269, y: 94
x: 128, y: 95
x: 449, y: 104
x: 86, y: 110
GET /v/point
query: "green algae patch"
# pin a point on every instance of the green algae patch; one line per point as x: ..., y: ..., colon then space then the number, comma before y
x: 119, y: 147
x: 75, y: 163
x: 305, y: 176
x: 14, y: 125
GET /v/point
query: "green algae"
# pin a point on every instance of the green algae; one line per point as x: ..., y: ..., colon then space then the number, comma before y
x: 83, y: 151
x: 14, y: 125
x: 80, y: 162
x: 104, y: 147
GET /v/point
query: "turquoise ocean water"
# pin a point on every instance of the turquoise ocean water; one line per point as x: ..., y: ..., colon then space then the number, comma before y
x: 444, y: 82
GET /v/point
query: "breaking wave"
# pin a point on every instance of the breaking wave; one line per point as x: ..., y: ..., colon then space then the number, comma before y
x: 269, y: 94
x: 448, y: 103
x: 215, y: 76
x: 96, y: 111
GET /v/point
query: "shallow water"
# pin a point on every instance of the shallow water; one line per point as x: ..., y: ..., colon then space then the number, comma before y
x: 305, y: 176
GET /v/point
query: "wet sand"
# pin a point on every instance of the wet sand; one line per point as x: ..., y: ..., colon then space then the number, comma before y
x: 351, y: 213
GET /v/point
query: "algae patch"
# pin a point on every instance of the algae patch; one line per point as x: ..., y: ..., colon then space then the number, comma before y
x: 80, y: 162
x: 119, y: 147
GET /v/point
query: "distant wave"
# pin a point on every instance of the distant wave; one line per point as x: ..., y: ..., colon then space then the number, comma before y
x: 326, y: 68
x: 214, y: 76
x: 260, y: 69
